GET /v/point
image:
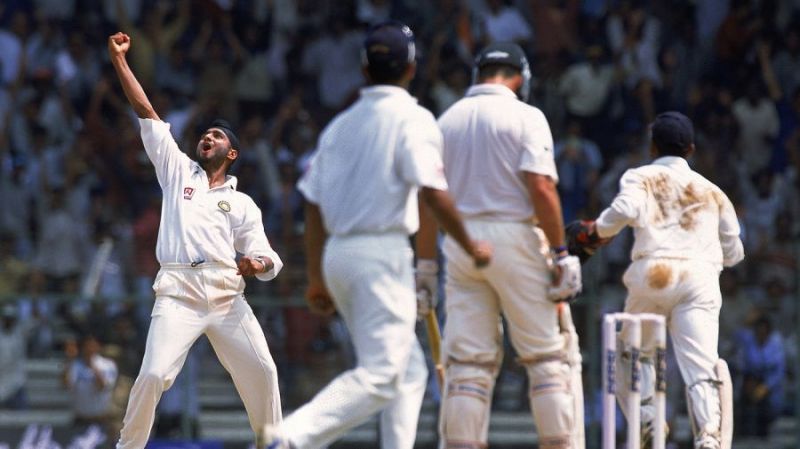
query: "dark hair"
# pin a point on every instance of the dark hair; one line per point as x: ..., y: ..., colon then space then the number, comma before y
x: 672, y: 150
x: 386, y: 75
x: 492, y: 70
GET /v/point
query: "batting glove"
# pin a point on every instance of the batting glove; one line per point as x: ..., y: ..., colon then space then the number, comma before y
x: 427, y: 283
x: 567, y: 272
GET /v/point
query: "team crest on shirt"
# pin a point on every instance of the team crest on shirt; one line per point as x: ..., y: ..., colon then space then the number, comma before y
x: 188, y: 192
x: 225, y: 206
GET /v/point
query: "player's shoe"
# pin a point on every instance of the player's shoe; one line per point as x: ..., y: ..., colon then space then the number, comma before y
x: 648, y: 433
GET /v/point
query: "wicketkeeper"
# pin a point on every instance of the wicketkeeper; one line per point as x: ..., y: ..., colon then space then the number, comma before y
x: 685, y: 231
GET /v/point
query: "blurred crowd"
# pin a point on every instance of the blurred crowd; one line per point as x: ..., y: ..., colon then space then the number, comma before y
x: 81, y: 204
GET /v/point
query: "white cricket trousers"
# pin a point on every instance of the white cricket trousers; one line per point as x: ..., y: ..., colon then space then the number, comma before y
x: 687, y: 293
x: 515, y: 285
x: 371, y: 280
x: 191, y: 302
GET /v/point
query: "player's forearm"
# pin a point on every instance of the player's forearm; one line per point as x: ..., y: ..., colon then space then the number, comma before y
x: 314, y: 240
x: 611, y: 221
x: 133, y: 90
x: 547, y: 205
x: 444, y: 211
x: 427, y: 234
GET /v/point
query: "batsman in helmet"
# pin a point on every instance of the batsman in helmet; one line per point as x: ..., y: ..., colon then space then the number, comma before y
x: 498, y: 160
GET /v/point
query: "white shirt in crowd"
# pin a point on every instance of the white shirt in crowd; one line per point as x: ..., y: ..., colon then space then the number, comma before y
x: 384, y: 146
x: 490, y: 137
x: 89, y: 400
x: 675, y: 213
x: 586, y: 88
x: 758, y: 125
x: 336, y: 61
x: 199, y: 223
x: 508, y: 25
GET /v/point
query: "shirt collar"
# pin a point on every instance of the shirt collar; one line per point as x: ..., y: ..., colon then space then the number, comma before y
x: 230, y: 181
x: 674, y: 162
x: 383, y: 90
x: 490, y: 89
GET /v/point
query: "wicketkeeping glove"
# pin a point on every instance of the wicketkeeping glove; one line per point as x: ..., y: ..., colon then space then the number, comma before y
x: 569, y: 280
x: 427, y: 283
x: 582, y: 239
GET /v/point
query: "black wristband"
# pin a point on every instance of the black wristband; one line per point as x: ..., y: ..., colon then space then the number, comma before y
x: 559, y: 249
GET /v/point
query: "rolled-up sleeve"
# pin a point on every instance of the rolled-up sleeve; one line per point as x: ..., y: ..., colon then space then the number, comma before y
x: 250, y: 240
x: 626, y: 208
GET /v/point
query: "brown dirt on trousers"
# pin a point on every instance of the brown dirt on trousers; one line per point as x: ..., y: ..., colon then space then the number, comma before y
x: 659, y: 276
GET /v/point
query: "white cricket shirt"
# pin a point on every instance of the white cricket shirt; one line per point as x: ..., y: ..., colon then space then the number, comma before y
x: 371, y: 160
x: 675, y: 213
x: 490, y: 139
x: 200, y: 224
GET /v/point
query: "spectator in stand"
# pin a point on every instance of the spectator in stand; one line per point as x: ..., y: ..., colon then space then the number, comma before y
x: 13, y: 270
x: 634, y: 36
x: 758, y: 122
x: 503, y: 22
x: 77, y: 69
x: 18, y: 200
x: 786, y: 63
x: 90, y: 378
x: 556, y: 25
x: 13, y: 342
x: 761, y: 369
x: 734, y: 36
x: 578, y: 161
x: 61, y: 247
x: 12, y: 40
x: 587, y: 86
x: 776, y: 258
x: 155, y: 36
x: 145, y: 235
x: 762, y: 203
x: 334, y: 60
x: 42, y: 48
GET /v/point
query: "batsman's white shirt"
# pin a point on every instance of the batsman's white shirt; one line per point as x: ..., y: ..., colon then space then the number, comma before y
x: 491, y: 139
x: 199, y: 223
x: 370, y: 161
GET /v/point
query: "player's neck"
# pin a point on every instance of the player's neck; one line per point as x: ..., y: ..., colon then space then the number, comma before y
x: 216, y: 175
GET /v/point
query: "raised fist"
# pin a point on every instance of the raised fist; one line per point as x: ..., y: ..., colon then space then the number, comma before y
x: 118, y: 44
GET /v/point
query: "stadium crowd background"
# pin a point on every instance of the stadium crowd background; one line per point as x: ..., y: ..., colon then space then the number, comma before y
x: 79, y: 202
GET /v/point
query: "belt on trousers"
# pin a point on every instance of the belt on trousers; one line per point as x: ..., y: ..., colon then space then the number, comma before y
x: 195, y: 265
x: 489, y: 219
